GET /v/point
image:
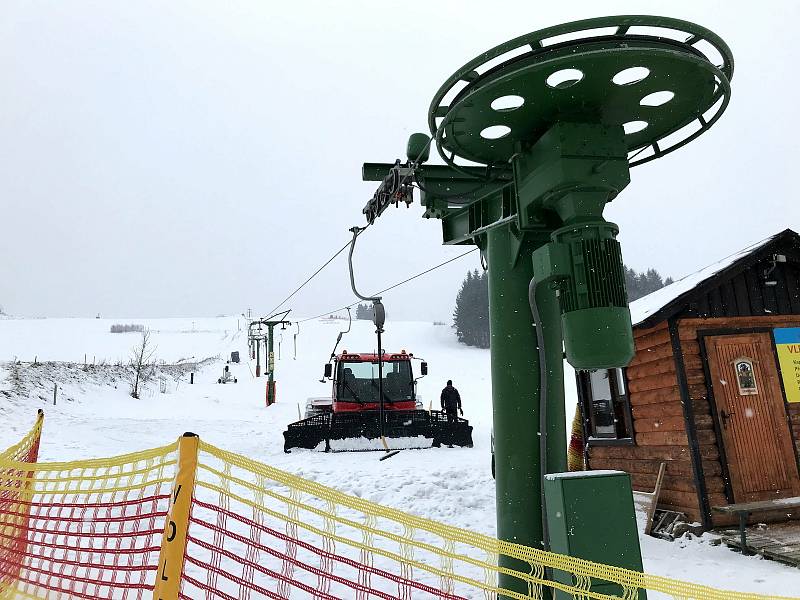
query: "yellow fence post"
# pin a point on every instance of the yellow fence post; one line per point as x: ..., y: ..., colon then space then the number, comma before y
x: 173, y: 541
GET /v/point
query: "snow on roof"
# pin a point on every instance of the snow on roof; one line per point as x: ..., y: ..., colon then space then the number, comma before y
x: 642, y: 308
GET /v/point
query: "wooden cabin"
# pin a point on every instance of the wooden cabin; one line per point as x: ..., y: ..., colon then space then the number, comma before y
x: 713, y: 390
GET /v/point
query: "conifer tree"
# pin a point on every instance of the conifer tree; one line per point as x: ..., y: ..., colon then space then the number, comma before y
x: 471, y: 315
x: 646, y: 282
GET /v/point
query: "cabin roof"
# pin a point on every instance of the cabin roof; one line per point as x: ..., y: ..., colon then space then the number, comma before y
x: 669, y: 300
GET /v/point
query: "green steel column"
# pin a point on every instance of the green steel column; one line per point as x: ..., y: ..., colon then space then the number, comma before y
x: 515, y: 396
x: 258, y: 357
x: 270, y: 369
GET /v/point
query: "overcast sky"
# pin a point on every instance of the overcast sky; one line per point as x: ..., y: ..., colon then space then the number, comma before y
x: 196, y: 158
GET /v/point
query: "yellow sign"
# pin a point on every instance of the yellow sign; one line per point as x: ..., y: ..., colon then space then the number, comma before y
x: 787, y: 342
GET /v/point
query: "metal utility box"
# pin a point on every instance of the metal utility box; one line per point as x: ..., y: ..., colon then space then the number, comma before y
x: 235, y: 356
x: 590, y: 515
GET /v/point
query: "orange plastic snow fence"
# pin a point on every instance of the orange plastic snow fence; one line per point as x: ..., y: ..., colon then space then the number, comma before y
x: 192, y: 521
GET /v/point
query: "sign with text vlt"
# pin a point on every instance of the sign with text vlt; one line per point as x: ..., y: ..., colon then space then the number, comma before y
x: 787, y: 342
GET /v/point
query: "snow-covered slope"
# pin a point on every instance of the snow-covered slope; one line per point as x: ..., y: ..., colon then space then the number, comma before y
x: 95, y: 417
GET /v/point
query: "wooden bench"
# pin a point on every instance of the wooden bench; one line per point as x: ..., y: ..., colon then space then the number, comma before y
x: 744, y: 509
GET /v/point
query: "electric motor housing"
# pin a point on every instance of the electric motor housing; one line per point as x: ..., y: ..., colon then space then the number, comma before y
x: 585, y: 261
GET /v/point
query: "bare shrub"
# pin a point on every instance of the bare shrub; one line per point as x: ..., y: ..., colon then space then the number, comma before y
x: 141, y: 363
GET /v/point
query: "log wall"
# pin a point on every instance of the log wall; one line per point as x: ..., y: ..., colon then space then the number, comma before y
x: 658, y: 425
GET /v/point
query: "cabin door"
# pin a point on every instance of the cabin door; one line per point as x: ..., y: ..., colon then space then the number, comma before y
x: 752, y: 417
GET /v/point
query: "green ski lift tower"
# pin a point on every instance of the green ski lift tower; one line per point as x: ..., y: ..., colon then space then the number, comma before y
x: 537, y: 135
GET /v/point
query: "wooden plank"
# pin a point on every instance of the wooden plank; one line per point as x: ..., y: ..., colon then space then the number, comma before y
x: 778, y: 541
x: 653, y: 382
x: 729, y: 299
x: 704, y: 422
x: 679, y: 497
x: 662, y: 438
x: 716, y: 303
x: 651, y: 340
x: 650, y: 354
x: 692, y: 363
x: 660, y: 423
x: 638, y: 453
x: 696, y: 378
x: 755, y: 291
x: 673, y: 423
x: 760, y: 506
x: 770, y: 299
x: 698, y: 391
x: 782, y: 291
x: 674, y: 467
x: 793, y: 283
x: 695, y: 372
x: 670, y: 409
x: 690, y: 347
x: 701, y: 406
x: 663, y: 395
x: 654, y: 500
x: 656, y: 367
x: 717, y: 499
x: 678, y: 483
x: 707, y: 452
x: 742, y: 297
x: 639, y: 332
x: 712, y: 468
x: 665, y: 409
x: 686, y: 326
x: 673, y: 438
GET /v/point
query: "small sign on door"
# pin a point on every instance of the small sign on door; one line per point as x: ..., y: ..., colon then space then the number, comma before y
x: 787, y: 343
x: 745, y: 376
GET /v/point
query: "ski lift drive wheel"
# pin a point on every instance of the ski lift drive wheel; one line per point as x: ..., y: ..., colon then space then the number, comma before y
x: 665, y: 81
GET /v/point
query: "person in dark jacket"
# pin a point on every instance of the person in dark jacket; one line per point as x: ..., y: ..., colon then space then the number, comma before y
x: 451, y: 402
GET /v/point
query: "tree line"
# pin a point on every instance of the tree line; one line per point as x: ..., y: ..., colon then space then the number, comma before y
x: 471, y: 314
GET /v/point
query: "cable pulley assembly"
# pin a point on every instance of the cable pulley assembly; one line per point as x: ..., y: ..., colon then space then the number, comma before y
x: 395, y: 188
x: 398, y: 185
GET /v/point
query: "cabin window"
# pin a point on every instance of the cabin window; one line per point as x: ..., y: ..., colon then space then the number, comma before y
x: 606, y: 408
x: 359, y: 380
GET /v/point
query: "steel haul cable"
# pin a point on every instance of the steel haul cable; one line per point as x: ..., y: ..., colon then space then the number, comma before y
x: 414, y: 165
x: 317, y: 272
x: 410, y: 175
x: 391, y: 287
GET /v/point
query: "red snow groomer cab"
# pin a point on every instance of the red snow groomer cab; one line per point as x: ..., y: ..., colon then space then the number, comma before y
x: 355, y: 408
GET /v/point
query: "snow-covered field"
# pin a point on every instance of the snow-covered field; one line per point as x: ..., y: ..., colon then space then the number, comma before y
x: 95, y: 417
